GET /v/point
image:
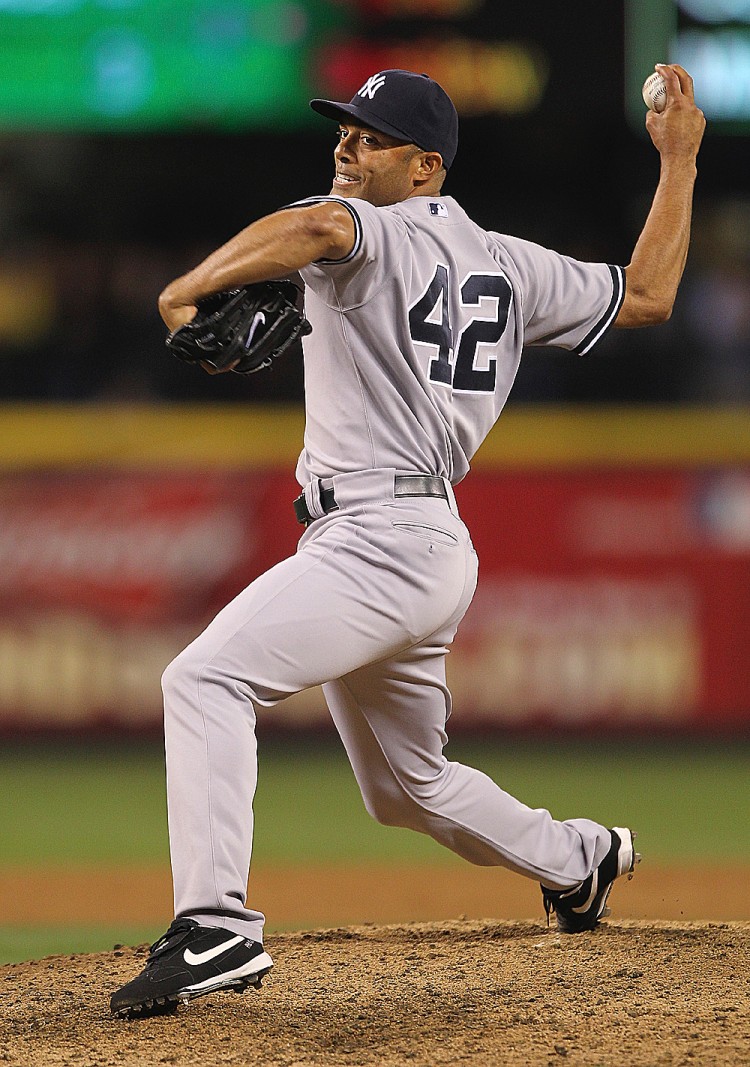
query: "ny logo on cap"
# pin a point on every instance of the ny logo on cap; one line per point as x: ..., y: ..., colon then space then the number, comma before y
x: 371, y: 86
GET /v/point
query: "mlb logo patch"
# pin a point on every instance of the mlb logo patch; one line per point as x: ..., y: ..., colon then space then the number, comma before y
x: 438, y: 209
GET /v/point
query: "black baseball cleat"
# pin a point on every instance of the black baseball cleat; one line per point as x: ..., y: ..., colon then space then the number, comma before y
x: 189, y: 961
x: 581, y: 907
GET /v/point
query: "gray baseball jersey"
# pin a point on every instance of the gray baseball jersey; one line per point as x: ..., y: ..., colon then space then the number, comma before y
x: 417, y: 336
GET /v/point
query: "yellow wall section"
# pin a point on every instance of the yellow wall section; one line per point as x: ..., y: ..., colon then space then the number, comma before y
x: 36, y: 436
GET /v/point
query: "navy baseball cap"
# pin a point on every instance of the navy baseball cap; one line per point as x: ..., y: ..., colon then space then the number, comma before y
x: 411, y: 107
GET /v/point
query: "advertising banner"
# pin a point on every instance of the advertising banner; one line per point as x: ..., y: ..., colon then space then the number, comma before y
x: 610, y: 597
x: 106, y: 575
x: 607, y: 598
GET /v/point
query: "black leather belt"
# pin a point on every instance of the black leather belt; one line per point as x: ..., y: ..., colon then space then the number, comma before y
x: 404, y: 485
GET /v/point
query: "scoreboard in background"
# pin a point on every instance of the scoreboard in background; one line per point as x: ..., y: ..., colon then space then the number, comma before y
x: 118, y: 65
x: 159, y: 64
x: 710, y: 38
x: 491, y: 61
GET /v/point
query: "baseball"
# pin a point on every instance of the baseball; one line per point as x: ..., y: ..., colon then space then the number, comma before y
x: 655, y: 92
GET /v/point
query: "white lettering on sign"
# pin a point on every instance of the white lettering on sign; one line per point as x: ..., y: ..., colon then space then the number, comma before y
x: 579, y: 650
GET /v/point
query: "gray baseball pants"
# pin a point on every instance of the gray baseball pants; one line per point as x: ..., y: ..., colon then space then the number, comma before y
x: 368, y: 606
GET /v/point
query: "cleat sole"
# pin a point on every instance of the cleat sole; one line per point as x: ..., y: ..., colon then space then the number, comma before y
x: 169, y: 1004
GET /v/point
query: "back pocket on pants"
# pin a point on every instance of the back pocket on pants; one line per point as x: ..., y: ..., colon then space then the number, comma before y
x: 426, y: 532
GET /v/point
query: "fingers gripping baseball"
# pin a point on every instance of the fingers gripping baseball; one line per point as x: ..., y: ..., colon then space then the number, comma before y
x: 676, y: 130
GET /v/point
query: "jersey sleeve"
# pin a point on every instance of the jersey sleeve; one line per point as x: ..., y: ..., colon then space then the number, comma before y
x: 352, y: 281
x: 564, y: 302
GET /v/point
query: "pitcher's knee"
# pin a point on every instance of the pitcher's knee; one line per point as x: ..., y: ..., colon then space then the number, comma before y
x: 180, y: 675
x: 391, y: 807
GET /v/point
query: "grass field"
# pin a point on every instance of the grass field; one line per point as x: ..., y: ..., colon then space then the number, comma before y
x: 104, y: 804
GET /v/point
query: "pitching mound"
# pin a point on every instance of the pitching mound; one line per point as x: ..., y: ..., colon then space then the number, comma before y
x: 428, y: 993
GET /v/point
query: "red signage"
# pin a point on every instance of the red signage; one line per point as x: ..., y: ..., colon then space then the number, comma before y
x: 606, y: 598
x: 612, y: 596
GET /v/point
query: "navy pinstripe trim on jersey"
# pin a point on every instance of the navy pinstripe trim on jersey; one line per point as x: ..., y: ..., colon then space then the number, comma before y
x: 597, y: 332
x: 352, y: 212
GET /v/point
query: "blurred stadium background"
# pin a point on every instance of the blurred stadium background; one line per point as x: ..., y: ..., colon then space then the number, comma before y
x: 605, y: 659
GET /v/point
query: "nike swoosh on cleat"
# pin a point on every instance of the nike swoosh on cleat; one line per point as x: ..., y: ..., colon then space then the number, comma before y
x: 194, y: 959
x: 594, y: 890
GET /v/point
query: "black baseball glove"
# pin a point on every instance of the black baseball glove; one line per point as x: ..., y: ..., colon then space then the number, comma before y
x: 251, y: 327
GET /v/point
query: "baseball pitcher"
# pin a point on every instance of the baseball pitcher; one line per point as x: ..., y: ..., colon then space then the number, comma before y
x: 418, y: 317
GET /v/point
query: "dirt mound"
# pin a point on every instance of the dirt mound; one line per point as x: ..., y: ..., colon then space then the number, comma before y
x: 426, y: 993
